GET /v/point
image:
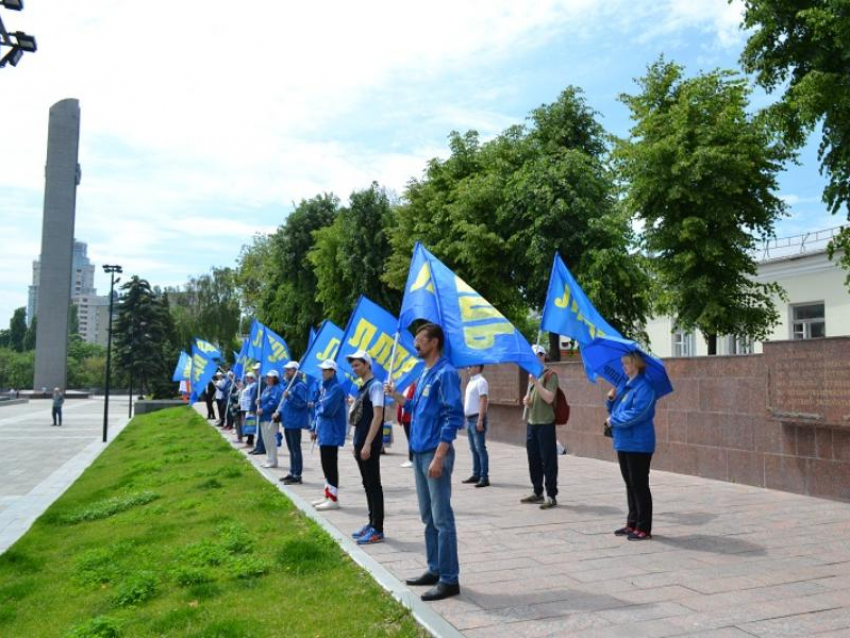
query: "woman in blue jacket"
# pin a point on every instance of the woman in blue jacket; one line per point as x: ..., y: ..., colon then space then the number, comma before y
x: 631, y: 407
x: 331, y: 418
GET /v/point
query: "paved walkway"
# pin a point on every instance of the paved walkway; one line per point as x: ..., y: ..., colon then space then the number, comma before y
x: 39, y: 462
x: 726, y: 560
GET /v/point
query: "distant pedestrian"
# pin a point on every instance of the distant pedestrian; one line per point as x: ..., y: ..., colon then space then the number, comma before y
x: 208, y: 396
x: 631, y: 407
x: 367, y: 417
x: 58, y: 400
x: 475, y: 411
x: 541, y: 444
x: 269, y: 400
x: 330, y: 432
x: 292, y: 413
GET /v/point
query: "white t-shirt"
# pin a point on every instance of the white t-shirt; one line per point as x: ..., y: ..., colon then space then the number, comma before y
x: 376, y: 394
x: 475, y: 389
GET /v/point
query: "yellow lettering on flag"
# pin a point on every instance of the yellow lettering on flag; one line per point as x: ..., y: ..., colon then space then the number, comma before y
x: 382, y: 350
x: 423, y: 279
x: 474, y: 307
x: 363, y: 334
x: 564, y: 301
x: 205, y: 346
x: 404, y: 363
x: 258, y: 338
x: 330, y: 350
x: 484, y: 336
x: 279, y: 352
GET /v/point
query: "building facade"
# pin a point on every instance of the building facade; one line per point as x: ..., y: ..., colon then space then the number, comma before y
x: 817, y: 305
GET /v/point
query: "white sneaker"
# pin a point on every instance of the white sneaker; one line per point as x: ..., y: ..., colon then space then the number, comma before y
x: 319, y: 502
x: 328, y: 505
x: 269, y: 465
x: 407, y: 464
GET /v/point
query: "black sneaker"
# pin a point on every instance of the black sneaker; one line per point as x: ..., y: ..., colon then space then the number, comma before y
x: 483, y: 483
x: 286, y: 478
x: 624, y: 531
x: 549, y: 504
x: 471, y: 479
x: 293, y: 480
x: 534, y: 498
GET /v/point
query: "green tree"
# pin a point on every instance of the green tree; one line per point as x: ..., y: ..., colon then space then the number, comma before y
x: 276, y: 277
x: 29, y: 337
x: 18, y: 329
x: 497, y: 212
x: 701, y: 175
x: 16, y: 368
x: 144, y: 337
x: 207, y: 307
x: 350, y: 255
x: 802, y: 48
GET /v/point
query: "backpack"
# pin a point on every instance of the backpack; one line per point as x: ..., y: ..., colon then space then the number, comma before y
x: 562, y: 408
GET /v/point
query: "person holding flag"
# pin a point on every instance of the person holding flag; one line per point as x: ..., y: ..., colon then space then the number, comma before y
x: 367, y: 417
x: 541, y: 443
x: 437, y: 410
x: 269, y: 400
x: 248, y: 408
x: 330, y: 432
x: 292, y: 412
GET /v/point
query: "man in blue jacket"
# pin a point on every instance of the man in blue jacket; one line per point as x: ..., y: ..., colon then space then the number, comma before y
x: 293, y: 414
x: 331, y: 419
x: 437, y: 409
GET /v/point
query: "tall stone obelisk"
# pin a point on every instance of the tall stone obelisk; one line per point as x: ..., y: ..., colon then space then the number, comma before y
x: 62, y: 176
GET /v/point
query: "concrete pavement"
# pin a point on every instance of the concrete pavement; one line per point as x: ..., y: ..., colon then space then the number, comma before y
x: 726, y: 560
x: 38, y: 462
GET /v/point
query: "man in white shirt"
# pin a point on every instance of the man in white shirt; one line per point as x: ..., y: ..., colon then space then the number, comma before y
x: 475, y: 411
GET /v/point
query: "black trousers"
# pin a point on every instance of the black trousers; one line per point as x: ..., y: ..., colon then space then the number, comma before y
x: 370, y: 472
x: 330, y: 464
x: 210, y: 412
x: 635, y: 469
x: 221, y: 403
x: 542, y: 448
x: 57, y: 414
x: 407, y: 434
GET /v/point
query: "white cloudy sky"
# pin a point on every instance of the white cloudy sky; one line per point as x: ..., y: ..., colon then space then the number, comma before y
x: 204, y: 120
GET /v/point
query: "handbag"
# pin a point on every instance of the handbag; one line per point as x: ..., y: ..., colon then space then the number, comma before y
x: 606, y: 431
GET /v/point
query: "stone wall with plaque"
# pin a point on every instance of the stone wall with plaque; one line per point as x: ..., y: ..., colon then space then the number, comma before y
x: 779, y: 420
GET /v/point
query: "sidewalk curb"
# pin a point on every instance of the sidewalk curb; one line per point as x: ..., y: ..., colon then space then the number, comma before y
x: 433, y: 622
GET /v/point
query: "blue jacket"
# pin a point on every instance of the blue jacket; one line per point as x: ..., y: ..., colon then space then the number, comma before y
x: 331, y: 415
x: 269, y: 400
x: 293, y: 411
x: 631, y: 413
x: 436, y: 407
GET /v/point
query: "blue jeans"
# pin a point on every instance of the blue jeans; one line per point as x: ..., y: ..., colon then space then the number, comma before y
x: 435, y: 508
x: 293, y: 442
x: 478, y: 447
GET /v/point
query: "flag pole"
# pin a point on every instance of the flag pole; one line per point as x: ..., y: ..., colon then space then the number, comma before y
x: 392, y: 355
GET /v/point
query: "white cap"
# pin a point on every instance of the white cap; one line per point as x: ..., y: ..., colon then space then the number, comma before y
x: 256, y: 366
x: 250, y: 374
x: 273, y: 373
x: 538, y: 349
x: 292, y: 365
x: 360, y: 354
x: 328, y: 364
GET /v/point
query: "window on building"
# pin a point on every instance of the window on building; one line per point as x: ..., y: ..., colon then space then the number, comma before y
x: 684, y: 344
x: 737, y: 344
x: 808, y: 321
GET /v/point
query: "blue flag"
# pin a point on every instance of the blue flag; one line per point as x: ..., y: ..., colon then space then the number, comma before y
x: 203, y: 369
x: 312, y: 337
x: 208, y: 349
x: 255, y: 340
x: 183, y: 371
x: 569, y: 312
x: 241, y: 360
x: 275, y: 352
x: 326, y: 346
x: 371, y: 328
x: 476, y: 333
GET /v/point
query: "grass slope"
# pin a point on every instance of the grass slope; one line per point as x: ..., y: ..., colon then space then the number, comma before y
x: 171, y: 533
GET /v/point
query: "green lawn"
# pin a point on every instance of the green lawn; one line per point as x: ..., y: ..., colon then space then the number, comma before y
x: 172, y: 533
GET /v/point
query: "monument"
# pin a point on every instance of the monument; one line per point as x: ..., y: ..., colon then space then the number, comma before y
x: 62, y: 176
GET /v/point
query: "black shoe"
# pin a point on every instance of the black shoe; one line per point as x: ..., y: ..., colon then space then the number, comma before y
x: 483, y: 483
x: 441, y: 591
x: 255, y: 452
x: 286, y: 478
x: 427, y: 578
x: 534, y: 498
x: 471, y: 479
x: 624, y: 531
x: 292, y: 480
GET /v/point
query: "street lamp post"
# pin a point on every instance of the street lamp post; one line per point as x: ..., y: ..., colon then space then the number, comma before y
x: 111, y: 270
